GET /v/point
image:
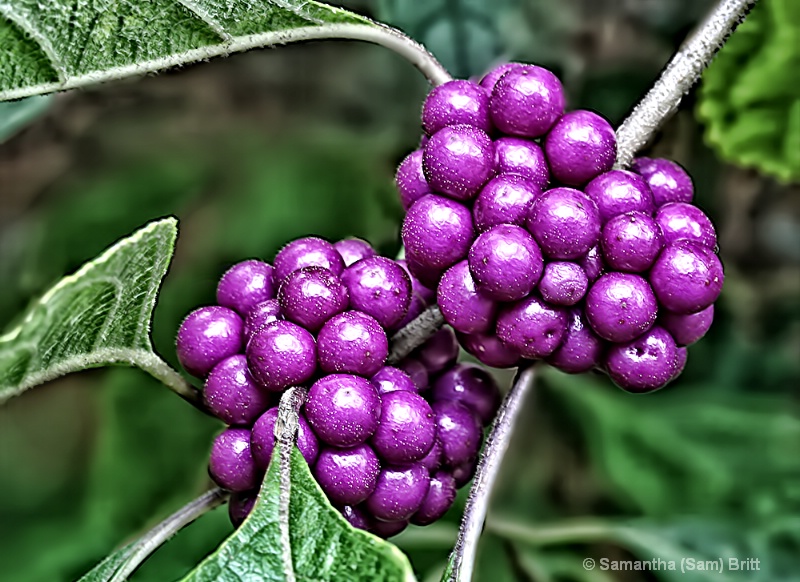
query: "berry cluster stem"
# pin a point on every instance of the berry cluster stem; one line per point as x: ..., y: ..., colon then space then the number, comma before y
x: 679, y: 76
x: 415, y: 334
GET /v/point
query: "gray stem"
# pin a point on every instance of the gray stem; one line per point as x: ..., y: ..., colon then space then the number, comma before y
x: 415, y: 334
x: 678, y: 78
x: 162, y: 371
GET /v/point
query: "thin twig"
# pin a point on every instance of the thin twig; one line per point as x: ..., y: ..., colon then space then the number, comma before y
x: 157, y: 536
x: 415, y: 334
x: 462, y: 559
x: 678, y: 78
x: 162, y: 371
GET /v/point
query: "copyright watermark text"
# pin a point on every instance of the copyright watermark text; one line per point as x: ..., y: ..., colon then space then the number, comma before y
x: 682, y: 565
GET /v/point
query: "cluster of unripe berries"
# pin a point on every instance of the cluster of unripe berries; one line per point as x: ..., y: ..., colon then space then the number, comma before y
x: 538, y: 249
x: 388, y: 445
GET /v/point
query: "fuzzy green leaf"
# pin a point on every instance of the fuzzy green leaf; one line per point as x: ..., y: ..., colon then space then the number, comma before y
x: 750, y: 97
x: 324, y: 547
x: 56, y: 45
x: 99, y: 315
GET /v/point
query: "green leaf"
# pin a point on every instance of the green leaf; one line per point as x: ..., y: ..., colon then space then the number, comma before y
x: 750, y: 97
x: 17, y: 114
x: 61, y: 45
x: 323, y: 546
x: 100, y: 315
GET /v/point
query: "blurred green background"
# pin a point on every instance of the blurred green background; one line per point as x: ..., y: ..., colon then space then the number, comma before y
x: 256, y: 149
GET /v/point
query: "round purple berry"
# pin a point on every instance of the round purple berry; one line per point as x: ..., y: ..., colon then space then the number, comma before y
x: 440, y: 497
x: 580, y: 147
x: 472, y: 386
x: 439, y: 352
x: 426, y: 294
x: 231, y: 464
x: 489, y: 80
x: 621, y: 306
x: 619, y: 191
x: 353, y: 250
x: 390, y: 379
x: 307, y: 252
x: 459, y: 432
x: 489, y: 350
x: 644, y: 364
x: 240, y: 505
x: 464, y: 473
x: 352, y: 342
x: 681, y: 355
x: 532, y: 327
x: 261, y: 315
x: 231, y: 393
x: 463, y: 305
x: 416, y: 370
x: 282, y: 354
x: 592, y: 263
x: 565, y: 223
x: 356, y: 516
x: 262, y: 440
x: 521, y: 157
x: 379, y: 287
x: 563, y: 283
x: 455, y: 103
x: 433, y: 460
x: 343, y: 409
x: 406, y: 431
x: 458, y: 160
x: 680, y: 220
x: 527, y: 101
x: 207, y: 336
x: 686, y: 277
x: 437, y: 232
x: 631, y: 242
x: 387, y: 529
x: 505, y: 262
x: 427, y: 276
x: 581, y: 349
x: 506, y: 199
x: 347, y: 476
x: 410, y: 180
x: 668, y: 181
x: 244, y: 285
x: 687, y: 329
x: 399, y: 492
x: 311, y: 296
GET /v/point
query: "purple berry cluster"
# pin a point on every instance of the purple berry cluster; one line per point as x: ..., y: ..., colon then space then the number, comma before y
x: 388, y: 445
x: 538, y: 249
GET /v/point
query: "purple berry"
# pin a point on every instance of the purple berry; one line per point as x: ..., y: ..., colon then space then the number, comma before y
x: 619, y: 191
x: 415, y: 309
x: 687, y: 329
x: 353, y: 250
x: 527, y: 101
x: 311, y: 296
x: 356, y: 516
x: 439, y: 352
x: 427, y: 276
x: 433, y: 460
x: 472, y: 386
x: 463, y: 305
x: 406, y: 431
x: 347, y: 476
x: 580, y: 147
x: 631, y: 242
x: 207, y: 336
x: 458, y: 430
x: 563, y: 283
x: 232, y: 394
x: 399, y: 492
x: 261, y: 315
x: 621, y: 306
x: 532, y: 327
x: 307, y: 252
x: 565, y: 223
x: 506, y: 199
x: 262, y: 440
x: 464, y: 473
x: 681, y: 355
x: 458, y: 160
x: 343, y: 409
x: 680, y: 220
x: 416, y: 370
x: 426, y: 294
x: 592, y: 263
x: 490, y: 79
x: 244, y: 285
x: 645, y: 364
x: 231, y: 465
x: 489, y: 350
x: 668, y: 181
x: 505, y: 262
x: 581, y: 349
x: 379, y: 287
x: 686, y: 277
x: 387, y: 529
x: 352, y: 342
x: 282, y: 354
x: 410, y: 180
x: 455, y: 103
x: 240, y: 505
x: 437, y: 233
x: 522, y: 157
x: 440, y: 497
x: 389, y: 379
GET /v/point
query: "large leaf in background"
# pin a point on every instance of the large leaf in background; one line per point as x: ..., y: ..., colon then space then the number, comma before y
x: 97, y: 316
x: 15, y: 115
x: 62, y: 44
x: 324, y: 547
x: 750, y: 96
